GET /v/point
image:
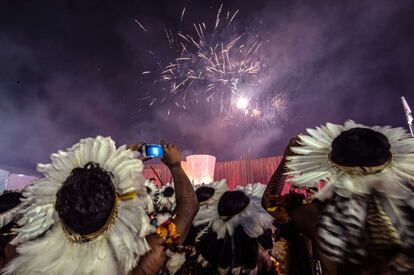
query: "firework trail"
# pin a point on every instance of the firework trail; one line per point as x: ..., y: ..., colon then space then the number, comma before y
x: 140, y: 25
x: 182, y: 15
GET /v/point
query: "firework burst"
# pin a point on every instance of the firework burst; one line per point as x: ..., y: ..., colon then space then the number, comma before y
x: 208, y: 68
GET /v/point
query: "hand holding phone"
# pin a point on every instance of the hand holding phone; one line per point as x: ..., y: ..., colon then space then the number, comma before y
x: 172, y: 155
x: 152, y: 151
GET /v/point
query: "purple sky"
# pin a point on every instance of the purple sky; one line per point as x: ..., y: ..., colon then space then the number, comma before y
x: 72, y: 69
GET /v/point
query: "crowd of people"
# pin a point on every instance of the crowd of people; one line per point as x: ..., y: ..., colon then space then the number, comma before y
x: 93, y: 212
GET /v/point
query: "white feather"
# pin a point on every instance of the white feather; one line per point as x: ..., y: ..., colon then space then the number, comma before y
x: 54, y: 254
x: 175, y: 261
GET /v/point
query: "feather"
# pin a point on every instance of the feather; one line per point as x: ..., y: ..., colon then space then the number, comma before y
x: 130, y: 211
x: 39, y: 257
x: 333, y: 130
x: 321, y: 136
x: 310, y: 141
x: 8, y: 216
x: 107, y: 148
x: 36, y: 220
x: 62, y: 161
x: 50, y: 172
x: 175, y: 261
x: 86, y: 147
x: 120, y: 155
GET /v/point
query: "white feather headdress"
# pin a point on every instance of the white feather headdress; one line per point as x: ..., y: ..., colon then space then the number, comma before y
x: 209, y: 207
x: 150, y: 198
x: 254, y: 219
x: 116, y: 250
x: 313, y: 164
x: 165, y: 203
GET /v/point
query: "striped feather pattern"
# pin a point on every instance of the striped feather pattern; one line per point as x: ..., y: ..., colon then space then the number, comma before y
x: 341, y: 230
x: 366, y: 228
x: 383, y: 238
x: 231, y: 246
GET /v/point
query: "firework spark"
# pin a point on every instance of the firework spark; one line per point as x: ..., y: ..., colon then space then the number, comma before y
x: 182, y: 15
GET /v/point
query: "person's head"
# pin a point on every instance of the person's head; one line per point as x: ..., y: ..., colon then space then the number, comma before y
x: 86, y: 199
x: 360, y: 147
x: 168, y: 192
x: 204, y: 193
x: 232, y: 203
x: 154, y: 180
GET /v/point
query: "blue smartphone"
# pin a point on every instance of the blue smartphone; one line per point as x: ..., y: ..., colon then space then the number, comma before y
x: 152, y: 151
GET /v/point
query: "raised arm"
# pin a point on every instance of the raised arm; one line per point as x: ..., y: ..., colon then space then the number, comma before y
x: 187, y: 205
x: 186, y: 209
x: 277, y: 181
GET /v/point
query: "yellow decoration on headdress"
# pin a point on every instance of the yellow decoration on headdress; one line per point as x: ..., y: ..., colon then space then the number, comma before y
x: 127, y: 196
x: 361, y: 170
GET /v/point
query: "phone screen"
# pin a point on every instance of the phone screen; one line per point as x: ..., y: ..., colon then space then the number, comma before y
x: 153, y: 151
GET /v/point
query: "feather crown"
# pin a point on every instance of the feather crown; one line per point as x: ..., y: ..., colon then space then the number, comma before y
x: 114, y: 249
x: 313, y: 162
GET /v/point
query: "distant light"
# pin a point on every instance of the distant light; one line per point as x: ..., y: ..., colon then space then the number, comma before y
x: 256, y: 113
x: 242, y: 103
x: 20, y: 175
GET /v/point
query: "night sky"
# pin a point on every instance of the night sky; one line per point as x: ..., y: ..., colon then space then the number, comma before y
x: 73, y: 69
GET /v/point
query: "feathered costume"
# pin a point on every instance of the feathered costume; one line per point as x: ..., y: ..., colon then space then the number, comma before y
x: 209, y: 206
x: 207, y: 209
x: 150, y: 198
x: 165, y: 201
x: 369, y: 210
x: 160, y: 205
x: 229, y: 245
x: 45, y: 246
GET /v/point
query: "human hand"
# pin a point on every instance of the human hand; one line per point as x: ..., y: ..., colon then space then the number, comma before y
x: 138, y: 147
x: 172, y: 155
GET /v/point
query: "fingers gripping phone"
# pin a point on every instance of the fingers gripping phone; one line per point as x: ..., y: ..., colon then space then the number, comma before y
x: 152, y: 151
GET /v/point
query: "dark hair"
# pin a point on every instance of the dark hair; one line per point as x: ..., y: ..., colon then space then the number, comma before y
x: 168, y: 192
x: 86, y: 199
x: 204, y: 193
x: 360, y: 147
x: 153, y: 179
x: 8, y: 200
x: 232, y: 203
